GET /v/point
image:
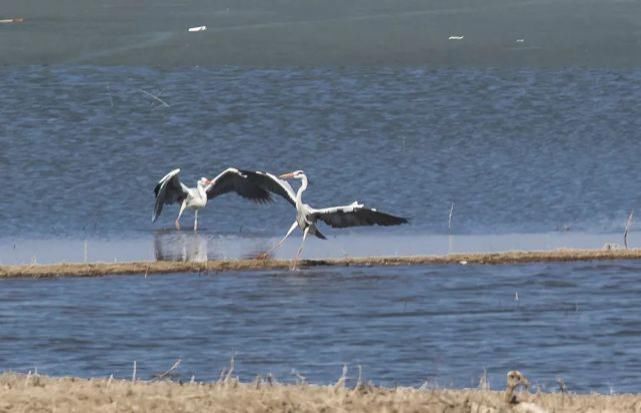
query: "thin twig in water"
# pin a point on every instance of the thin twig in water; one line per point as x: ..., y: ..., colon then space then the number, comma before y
x: 165, y: 104
x: 342, y: 379
x: 231, y: 369
x: 562, y: 385
x: 359, y: 381
x: 449, y: 221
x: 222, y: 374
x: 168, y: 372
x: 484, y: 382
x: 300, y: 379
x: 628, y: 224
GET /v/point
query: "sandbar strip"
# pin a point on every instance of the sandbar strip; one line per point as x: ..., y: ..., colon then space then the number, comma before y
x: 166, y: 267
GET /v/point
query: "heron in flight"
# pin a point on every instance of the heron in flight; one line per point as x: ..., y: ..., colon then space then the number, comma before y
x: 169, y: 190
x: 351, y: 215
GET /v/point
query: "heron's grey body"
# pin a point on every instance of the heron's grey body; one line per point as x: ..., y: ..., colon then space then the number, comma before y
x: 170, y: 190
x: 351, y: 215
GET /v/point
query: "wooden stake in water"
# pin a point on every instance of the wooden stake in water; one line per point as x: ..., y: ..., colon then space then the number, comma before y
x: 628, y: 224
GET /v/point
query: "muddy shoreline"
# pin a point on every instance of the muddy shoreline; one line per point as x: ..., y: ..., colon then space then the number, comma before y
x: 166, y: 267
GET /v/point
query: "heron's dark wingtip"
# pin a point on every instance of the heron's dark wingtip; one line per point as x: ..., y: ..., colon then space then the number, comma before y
x: 263, y: 200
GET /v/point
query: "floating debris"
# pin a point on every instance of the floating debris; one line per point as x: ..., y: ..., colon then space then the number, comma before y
x: 612, y: 246
x: 197, y: 29
x: 456, y: 37
x: 14, y: 20
x: 520, y: 40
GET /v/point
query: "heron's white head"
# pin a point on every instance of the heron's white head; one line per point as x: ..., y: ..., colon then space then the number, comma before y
x: 203, y: 181
x: 293, y: 175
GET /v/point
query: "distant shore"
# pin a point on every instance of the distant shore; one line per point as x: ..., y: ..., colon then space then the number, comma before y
x: 19, y: 392
x: 494, y: 33
x: 164, y: 267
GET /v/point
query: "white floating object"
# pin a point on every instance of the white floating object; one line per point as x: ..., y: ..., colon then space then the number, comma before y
x: 198, y: 29
x: 463, y: 262
x: 14, y: 20
x: 520, y: 40
x: 456, y: 38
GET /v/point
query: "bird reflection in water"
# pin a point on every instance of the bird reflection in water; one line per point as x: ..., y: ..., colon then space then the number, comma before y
x: 191, y: 246
x: 180, y: 246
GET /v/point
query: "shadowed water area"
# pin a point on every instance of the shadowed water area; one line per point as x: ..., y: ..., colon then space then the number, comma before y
x: 531, y: 159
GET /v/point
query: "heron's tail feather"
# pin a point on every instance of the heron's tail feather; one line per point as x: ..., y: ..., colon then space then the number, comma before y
x: 318, y: 234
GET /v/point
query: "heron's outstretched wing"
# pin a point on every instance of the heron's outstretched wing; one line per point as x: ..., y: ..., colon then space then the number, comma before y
x: 273, y: 184
x: 240, y: 181
x: 168, y: 190
x: 355, y: 215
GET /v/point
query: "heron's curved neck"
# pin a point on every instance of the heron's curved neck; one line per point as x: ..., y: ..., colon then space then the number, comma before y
x: 201, y: 191
x: 303, y: 187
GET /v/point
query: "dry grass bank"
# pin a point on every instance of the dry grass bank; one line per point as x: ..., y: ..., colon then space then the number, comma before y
x: 44, y: 394
x: 160, y: 267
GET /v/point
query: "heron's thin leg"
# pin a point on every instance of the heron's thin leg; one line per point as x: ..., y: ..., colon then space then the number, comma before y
x: 196, y: 221
x: 300, y: 250
x: 182, y: 209
x: 291, y: 229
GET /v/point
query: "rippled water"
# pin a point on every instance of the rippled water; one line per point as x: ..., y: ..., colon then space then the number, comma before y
x: 530, y: 159
x: 516, y: 151
x: 407, y: 325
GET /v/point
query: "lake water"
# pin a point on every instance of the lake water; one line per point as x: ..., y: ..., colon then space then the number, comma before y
x: 405, y: 325
x: 531, y: 159
x: 516, y: 151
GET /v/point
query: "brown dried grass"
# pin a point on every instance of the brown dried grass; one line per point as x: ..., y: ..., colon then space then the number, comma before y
x: 160, y: 267
x: 19, y: 392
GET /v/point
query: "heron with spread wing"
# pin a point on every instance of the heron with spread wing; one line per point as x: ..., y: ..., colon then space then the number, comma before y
x: 351, y: 215
x: 170, y: 190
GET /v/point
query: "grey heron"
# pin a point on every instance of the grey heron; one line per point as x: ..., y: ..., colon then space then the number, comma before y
x: 351, y: 215
x: 170, y: 190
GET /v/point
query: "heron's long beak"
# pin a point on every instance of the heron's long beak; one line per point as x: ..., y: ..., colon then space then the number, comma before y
x: 287, y: 176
